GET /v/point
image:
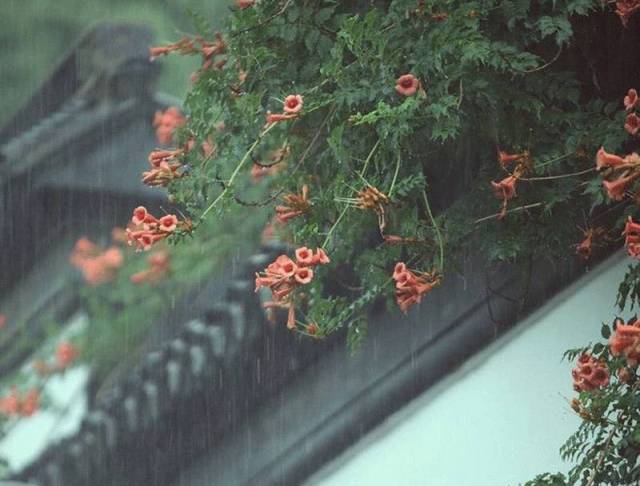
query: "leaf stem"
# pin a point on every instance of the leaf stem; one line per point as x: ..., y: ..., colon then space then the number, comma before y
x: 395, y: 176
x: 236, y: 171
x: 437, y: 229
x: 333, y: 227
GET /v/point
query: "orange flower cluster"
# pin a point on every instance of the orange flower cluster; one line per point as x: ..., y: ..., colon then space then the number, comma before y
x: 625, y: 9
x: 159, y: 265
x: 618, y: 172
x: 284, y: 276
x: 97, y: 266
x: 505, y: 190
x: 186, y: 46
x: 20, y: 405
x: 626, y: 341
x: 297, y: 204
x: 410, y: 288
x: 66, y: 353
x: 407, y: 85
x: 632, y: 122
x: 589, y: 374
x: 183, y: 46
x: 631, y: 235
x: 166, y: 122
x: 165, y: 167
x: 292, y: 108
x: 148, y: 229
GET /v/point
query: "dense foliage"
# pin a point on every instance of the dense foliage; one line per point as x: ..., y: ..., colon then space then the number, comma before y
x: 388, y: 140
x: 395, y: 174
x: 390, y: 135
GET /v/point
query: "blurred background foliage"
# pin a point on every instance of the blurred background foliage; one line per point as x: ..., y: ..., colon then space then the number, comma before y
x: 35, y: 34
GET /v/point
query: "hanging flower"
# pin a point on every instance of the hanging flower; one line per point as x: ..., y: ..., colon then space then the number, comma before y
x: 505, y: 190
x: 183, y: 46
x: 617, y: 188
x: 505, y: 158
x: 625, y: 341
x: 631, y: 100
x: 605, y: 160
x: 296, y: 205
x: 411, y: 287
x: 632, y: 238
x: 589, y: 374
x: 97, y: 266
x: 584, y: 249
x: 285, y: 276
x: 632, y: 124
x: 625, y: 9
x: 407, y: 85
x: 159, y: 266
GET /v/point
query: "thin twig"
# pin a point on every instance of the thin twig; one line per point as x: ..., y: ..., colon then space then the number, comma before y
x: 333, y: 227
x: 236, y: 171
x: 514, y: 210
x: 297, y: 165
x: 395, y: 176
x: 601, y: 457
x: 561, y: 176
x: 544, y: 66
x: 265, y: 21
x: 437, y: 229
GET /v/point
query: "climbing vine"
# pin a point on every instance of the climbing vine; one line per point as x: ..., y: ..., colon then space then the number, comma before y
x: 389, y: 139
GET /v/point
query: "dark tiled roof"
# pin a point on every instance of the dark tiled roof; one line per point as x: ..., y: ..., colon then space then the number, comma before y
x: 228, y: 358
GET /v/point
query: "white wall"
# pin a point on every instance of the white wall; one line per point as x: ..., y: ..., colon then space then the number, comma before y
x: 501, y: 418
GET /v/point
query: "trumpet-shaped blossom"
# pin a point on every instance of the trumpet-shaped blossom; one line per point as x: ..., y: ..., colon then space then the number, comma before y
x: 631, y: 99
x: 632, y: 123
x: 411, y: 287
x: 148, y: 230
x: 584, y: 249
x: 159, y: 266
x: 505, y: 190
x: 292, y: 107
x: 617, y: 188
x: 285, y: 276
x: 589, y: 374
x: 293, y: 104
x: 296, y: 205
x: 605, y: 159
x: 625, y: 341
x: 183, y: 46
x: 97, y: 266
x: 632, y: 238
x: 407, y: 85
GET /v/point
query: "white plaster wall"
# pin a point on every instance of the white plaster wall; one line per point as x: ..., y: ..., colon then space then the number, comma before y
x: 501, y: 418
